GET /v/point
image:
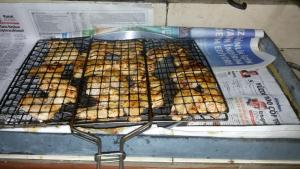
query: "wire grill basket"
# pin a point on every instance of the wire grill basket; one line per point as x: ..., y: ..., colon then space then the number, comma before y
x: 121, y: 81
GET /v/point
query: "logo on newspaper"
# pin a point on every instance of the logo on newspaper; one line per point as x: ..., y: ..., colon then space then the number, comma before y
x: 248, y: 73
x: 256, y: 104
x: 266, y: 104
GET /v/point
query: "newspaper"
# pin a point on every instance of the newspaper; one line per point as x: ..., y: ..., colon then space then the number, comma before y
x: 66, y: 19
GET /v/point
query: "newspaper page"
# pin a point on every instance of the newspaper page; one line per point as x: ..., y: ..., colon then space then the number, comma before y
x: 64, y: 20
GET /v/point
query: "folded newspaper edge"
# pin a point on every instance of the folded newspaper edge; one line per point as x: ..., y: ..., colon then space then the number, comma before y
x: 269, y: 131
x: 254, y: 43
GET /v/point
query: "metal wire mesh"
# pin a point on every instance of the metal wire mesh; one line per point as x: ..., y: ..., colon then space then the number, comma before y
x: 45, y: 87
x: 121, y: 81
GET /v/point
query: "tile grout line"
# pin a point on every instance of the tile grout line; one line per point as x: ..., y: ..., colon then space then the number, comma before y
x: 167, y: 12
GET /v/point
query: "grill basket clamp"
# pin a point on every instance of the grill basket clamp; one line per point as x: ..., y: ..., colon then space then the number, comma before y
x: 110, y: 156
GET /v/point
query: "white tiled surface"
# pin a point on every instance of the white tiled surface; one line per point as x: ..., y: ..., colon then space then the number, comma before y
x: 159, y: 13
